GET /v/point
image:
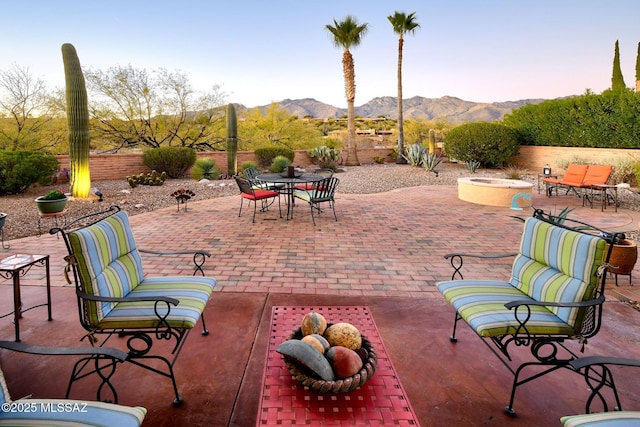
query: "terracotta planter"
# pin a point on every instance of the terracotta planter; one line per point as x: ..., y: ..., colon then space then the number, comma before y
x: 51, y: 206
x: 624, y: 255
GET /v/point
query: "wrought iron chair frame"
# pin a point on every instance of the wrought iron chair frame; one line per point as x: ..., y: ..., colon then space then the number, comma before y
x: 255, y: 194
x: 102, y: 361
x: 548, y: 351
x: 140, y: 339
x: 322, y: 191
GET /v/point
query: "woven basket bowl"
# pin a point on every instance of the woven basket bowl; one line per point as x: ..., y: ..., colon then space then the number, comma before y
x: 338, y: 386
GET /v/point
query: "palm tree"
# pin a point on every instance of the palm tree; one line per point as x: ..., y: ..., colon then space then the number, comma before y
x: 346, y: 34
x: 402, y: 24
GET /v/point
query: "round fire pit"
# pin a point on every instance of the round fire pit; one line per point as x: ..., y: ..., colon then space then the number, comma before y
x: 495, y: 191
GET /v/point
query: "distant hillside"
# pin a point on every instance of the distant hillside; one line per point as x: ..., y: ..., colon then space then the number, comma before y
x: 455, y: 110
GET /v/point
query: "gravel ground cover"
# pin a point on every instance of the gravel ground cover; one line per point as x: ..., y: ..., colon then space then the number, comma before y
x: 22, y: 214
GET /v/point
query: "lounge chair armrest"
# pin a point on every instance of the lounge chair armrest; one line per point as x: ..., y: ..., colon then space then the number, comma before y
x: 90, y: 297
x: 64, y: 351
x: 517, y: 303
x: 488, y: 256
x: 583, y: 362
x: 199, y: 257
x: 457, y: 260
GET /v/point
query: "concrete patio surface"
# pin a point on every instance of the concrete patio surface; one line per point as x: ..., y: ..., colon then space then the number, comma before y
x: 385, y: 251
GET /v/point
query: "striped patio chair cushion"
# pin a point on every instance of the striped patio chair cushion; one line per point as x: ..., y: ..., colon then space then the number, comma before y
x: 108, y: 261
x: 481, y: 305
x: 558, y: 265
x: 73, y: 413
x: 554, y: 264
x: 609, y: 419
x: 192, y: 292
x: 4, y: 392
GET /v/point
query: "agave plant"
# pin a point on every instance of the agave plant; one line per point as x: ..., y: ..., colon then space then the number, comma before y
x: 472, y: 165
x: 430, y: 161
x: 414, y: 154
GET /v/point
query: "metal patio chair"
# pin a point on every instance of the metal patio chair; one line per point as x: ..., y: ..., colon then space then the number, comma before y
x: 555, y: 294
x: 321, y: 192
x: 43, y: 411
x: 115, y: 297
x: 248, y: 191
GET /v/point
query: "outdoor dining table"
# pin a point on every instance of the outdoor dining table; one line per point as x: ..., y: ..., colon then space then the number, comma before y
x: 289, y: 184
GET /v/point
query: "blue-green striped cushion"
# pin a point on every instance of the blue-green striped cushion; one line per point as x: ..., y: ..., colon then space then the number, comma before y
x: 193, y: 292
x: 4, y: 391
x: 609, y: 419
x: 554, y: 264
x: 72, y: 413
x: 481, y: 305
x: 108, y: 261
x: 559, y: 265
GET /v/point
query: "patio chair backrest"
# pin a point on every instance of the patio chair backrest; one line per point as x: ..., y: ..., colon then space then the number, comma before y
x: 597, y: 174
x: 244, y: 185
x: 575, y: 174
x: 324, y: 189
x: 107, y: 262
x: 251, y: 173
x: 558, y: 265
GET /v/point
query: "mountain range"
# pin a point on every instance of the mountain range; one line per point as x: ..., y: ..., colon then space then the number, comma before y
x: 454, y: 110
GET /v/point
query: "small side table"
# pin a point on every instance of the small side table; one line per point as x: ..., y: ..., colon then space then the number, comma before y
x: 16, y: 266
x: 606, y: 192
x: 53, y: 216
x: 542, y: 175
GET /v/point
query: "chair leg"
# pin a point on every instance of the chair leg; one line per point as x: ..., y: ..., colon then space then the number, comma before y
x: 333, y: 206
x: 312, y: 217
x: 241, y: 201
x: 205, y: 331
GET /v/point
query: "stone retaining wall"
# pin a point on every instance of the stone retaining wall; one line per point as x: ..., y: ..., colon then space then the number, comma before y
x: 532, y: 158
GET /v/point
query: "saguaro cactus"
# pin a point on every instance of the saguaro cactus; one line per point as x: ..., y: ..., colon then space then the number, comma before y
x: 77, y: 122
x: 432, y: 141
x: 232, y: 140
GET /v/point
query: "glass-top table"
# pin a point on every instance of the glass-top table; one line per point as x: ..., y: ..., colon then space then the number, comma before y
x: 289, y: 184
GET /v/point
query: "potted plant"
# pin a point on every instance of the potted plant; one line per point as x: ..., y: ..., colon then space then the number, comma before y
x: 53, y: 202
x: 623, y: 256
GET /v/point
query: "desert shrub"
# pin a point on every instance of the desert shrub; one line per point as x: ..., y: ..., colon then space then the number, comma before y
x: 21, y: 169
x: 430, y: 161
x: 325, y: 157
x: 514, y: 172
x: 248, y: 164
x: 266, y: 155
x: 175, y: 161
x: 378, y: 160
x: 205, y: 169
x: 491, y: 144
x: 152, y: 178
x: 279, y: 164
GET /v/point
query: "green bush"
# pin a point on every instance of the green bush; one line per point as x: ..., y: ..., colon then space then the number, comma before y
x: 491, y: 144
x: 21, y: 169
x: 279, y: 164
x: 414, y: 154
x: 175, y: 161
x: 266, y: 155
x: 246, y: 165
x: 205, y: 169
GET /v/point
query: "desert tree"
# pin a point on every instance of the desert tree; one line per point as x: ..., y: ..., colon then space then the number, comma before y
x: 402, y: 24
x: 348, y: 34
x: 26, y: 108
x: 617, y: 81
x: 153, y: 109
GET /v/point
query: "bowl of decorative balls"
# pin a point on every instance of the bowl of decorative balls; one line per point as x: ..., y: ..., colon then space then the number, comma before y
x: 328, y: 357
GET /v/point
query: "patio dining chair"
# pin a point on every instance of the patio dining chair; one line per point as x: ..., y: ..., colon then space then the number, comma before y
x: 248, y: 191
x: 325, y: 172
x: 116, y: 297
x: 322, y: 191
x: 251, y: 173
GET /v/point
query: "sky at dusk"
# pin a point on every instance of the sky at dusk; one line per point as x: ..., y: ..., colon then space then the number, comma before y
x: 261, y: 51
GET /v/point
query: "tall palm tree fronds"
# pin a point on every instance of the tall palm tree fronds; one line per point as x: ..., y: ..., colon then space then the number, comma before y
x: 347, y: 34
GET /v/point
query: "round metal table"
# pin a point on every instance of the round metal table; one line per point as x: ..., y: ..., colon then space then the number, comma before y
x: 289, y: 184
